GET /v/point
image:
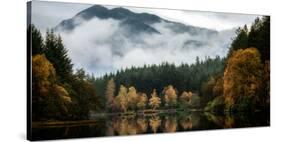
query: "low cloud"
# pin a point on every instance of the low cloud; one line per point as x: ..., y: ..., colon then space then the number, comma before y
x: 103, y: 46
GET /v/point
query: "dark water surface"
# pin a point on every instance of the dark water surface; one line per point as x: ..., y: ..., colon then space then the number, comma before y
x: 162, y: 123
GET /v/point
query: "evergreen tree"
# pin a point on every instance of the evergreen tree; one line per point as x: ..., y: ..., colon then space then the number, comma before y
x: 37, y: 44
x: 57, y: 54
x: 259, y: 36
x: 240, y: 41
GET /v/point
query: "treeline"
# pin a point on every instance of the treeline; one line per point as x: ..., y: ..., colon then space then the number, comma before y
x: 57, y: 92
x: 131, y: 99
x: 147, y: 78
x: 245, y: 83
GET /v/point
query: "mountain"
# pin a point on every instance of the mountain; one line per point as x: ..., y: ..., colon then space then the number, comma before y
x: 103, y: 40
x: 134, y: 22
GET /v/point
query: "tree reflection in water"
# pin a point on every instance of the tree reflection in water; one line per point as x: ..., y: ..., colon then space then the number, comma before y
x: 170, y: 124
x: 186, y: 122
x: 141, y: 125
x: 154, y: 123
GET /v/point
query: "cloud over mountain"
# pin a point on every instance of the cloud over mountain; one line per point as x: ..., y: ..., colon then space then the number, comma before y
x: 103, y: 40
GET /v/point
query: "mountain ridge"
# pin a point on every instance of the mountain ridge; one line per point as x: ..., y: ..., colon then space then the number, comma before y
x: 135, y: 22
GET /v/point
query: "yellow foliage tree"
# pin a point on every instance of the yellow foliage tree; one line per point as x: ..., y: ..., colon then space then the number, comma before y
x: 109, y: 93
x: 142, y: 101
x: 48, y: 99
x: 63, y: 96
x: 242, y: 77
x: 185, y: 98
x: 43, y: 74
x: 170, y: 96
x: 132, y: 98
x: 121, y: 99
x: 154, y: 101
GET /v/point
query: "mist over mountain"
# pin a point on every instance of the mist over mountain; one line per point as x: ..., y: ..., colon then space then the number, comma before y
x: 103, y: 40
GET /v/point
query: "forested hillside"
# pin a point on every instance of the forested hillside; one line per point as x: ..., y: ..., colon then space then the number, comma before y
x: 145, y: 79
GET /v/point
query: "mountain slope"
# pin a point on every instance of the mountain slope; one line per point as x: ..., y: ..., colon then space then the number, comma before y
x: 105, y: 40
x: 135, y: 22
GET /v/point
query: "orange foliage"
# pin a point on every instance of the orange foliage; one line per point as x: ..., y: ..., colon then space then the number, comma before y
x: 242, y: 76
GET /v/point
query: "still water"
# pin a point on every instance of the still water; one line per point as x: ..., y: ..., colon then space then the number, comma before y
x: 162, y: 123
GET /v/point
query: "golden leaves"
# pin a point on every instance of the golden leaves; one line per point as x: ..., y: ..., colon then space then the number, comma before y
x: 43, y: 73
x: 154, y: 101
x: 170, y: 95
x: 242, y: 76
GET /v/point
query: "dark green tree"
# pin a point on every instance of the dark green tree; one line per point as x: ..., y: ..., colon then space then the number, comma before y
x: 84, y: 94
x: 259, y: 36
x: 240, y: 41
x: 57, y: 54
x: 35, y: 36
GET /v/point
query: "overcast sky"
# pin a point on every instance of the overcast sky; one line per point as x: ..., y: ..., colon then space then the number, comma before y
x: 98, y: 53
x: 49, y: 14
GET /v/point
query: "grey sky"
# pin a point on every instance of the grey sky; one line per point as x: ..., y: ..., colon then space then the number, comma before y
x: 49, y: 14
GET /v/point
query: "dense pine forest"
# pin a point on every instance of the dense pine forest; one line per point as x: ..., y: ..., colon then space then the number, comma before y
x: 239, y: 82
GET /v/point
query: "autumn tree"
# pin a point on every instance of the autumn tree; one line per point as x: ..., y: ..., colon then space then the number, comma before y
x: 242, y: 79
x: 121, y: 99
x: 189, y: 99
x: 265, y: 93
x: 110, y: 90
x: 185, y: 98
x: 170, y: 96
x: 142, y: 101
x: 132, y: 98
x: 49, y: 100
x: 154, y: 101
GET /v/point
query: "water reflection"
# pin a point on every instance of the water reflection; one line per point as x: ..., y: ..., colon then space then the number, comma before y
x: 154, y: 123
x: 141, y: 125
x: 131, y: 125
x: 170, y: 124
x: 186, y: 122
